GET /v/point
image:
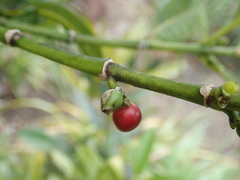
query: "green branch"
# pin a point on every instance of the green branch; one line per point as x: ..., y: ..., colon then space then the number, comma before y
x: 225, y: 98
x: 224, y: 30
x: 93, y: 66
x: 189, y: 92
x: 150, y: 44
x: 87, y: 64
x: 216, y: 65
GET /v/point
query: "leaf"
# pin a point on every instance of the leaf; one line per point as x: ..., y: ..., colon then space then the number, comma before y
x: 203, y: 21
x: 11, y: 7
x: 31, y: 103
x: 142, y: 152
x: 63, y: 162
x: 178, y: 28
x: 36, y: 166
x: 38, y: 139
x: 116, y: 163
x: 169, y: 9
x: 89, y: 161
x: 108, y: 173
x: 184, y: 19
x: 169, y: 70
x: 72, y: 20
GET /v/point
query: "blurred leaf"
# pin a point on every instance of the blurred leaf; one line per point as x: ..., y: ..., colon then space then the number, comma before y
x: 53, y: 176
x: 141, y: 154
x: 203, y: 21
x: 28, y: 14
x: 184, y: 19
x: 89, y: 161
x: 63, y: 162
x: 38, y: 139
x: 30, y: 103
x: 169, y: 9
x: 72, y: 20
x: 216, y: 8
x: 178, y: 164
x: 37, y: 165
x: 179, y: 27
x: 171, y: 69
x: 11, y: 7
x: 117, y: 165
x: 108, y: 173
x: 6, y: 168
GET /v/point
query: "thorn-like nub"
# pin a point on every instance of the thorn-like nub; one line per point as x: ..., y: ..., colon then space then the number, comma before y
x: 205, y: 92
x: 11, y: 36
x: 103, y: 76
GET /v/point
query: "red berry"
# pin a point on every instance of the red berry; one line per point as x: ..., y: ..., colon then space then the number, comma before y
x: 127, y: 118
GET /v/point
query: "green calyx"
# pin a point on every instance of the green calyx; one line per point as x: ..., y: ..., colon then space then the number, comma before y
x: 230, y: 88
x: 111, y: 100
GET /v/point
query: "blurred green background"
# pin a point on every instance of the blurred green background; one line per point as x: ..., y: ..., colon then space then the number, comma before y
x: 51, y: 125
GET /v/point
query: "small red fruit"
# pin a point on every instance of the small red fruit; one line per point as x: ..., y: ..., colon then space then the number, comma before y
x: 127, y: 118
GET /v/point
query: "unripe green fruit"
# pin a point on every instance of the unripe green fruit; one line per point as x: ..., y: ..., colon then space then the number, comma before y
x: 111, y: 100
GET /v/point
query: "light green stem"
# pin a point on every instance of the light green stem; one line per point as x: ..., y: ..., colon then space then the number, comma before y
x: 189, y: 92
x: 150, y: 44
x: 222, y: 31
x: 215, y: 64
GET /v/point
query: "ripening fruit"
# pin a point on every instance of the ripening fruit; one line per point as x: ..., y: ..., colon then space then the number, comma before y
x: 127, y: 118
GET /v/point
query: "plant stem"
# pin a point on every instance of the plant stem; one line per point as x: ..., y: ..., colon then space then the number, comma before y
x: 222, y: 31
x: 189, y: 92
x: 215, y: 64
x: 83, y: 63
x: 150, y: 44
x: 93, y: 66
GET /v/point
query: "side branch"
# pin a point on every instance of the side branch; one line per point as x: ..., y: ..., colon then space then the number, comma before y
x: 181, y: 47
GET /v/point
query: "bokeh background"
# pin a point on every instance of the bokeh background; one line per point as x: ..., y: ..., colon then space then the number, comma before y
x: 51, y: 125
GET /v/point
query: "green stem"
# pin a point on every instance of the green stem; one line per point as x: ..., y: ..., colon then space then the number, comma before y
x: 215, y: 64
x: 232, y: 105
x: 222, y: 31
x: 93, y: 66
x: 112, y: 84
x: 150, y: 44
x: 189, y: 92
x: 83, y: 63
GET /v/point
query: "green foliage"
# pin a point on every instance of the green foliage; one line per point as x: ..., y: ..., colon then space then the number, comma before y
x: 56, y: 13
x: 69, y: 148
x: 142, y: 153
x: 79, y: 23
x: 191, y: 20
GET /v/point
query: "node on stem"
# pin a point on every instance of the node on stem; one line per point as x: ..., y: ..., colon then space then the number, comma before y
x: 11, y: 36
x: 205, y: 91
x: 104, y: 74
x: 227, y: 91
